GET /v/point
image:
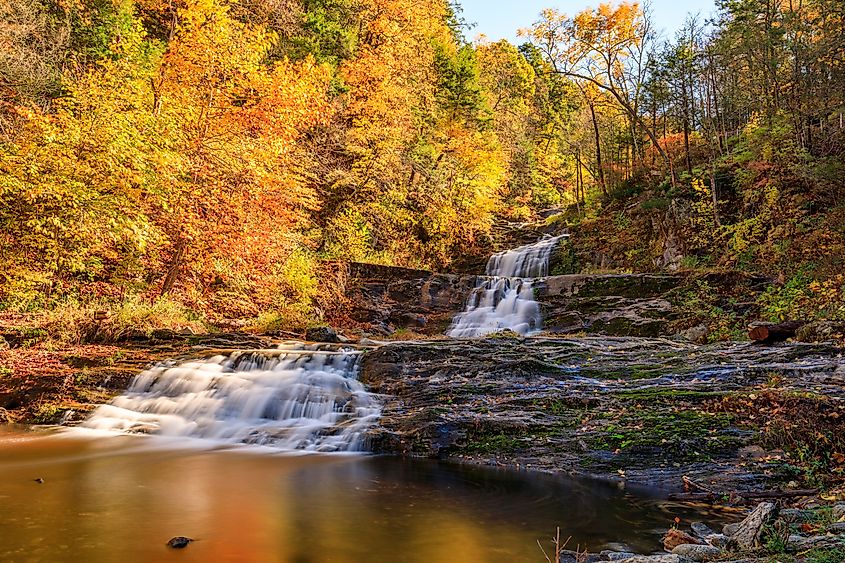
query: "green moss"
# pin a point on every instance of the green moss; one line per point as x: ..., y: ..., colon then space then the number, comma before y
x: 490, y: 444
x: 687, y: 434
x: 663, y: 394
x: 47, y: 413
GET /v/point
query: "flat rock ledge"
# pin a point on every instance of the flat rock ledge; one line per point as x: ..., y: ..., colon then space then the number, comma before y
x: 639, y: 411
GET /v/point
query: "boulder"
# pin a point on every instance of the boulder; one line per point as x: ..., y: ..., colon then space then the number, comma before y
x: 839, y: 511
x: 701, y: 530
x: 673, y: 558
x: 567, y: 556
x: 675, y: 537
x: 698, y: 552
x: 799, y: 544
x: 321, y: 334
x: 749, y: 532
x: 697, y: 334
x: 609, y: 555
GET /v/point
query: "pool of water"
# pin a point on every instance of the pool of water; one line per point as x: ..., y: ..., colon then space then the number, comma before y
x: 121, y: 498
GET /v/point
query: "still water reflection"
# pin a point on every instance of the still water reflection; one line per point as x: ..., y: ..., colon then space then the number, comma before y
x: 120, y: 499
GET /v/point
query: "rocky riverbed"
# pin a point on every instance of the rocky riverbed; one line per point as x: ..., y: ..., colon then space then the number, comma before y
x: 724, y: 424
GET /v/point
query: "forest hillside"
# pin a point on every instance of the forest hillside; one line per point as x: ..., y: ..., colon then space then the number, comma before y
x: 192, y: 163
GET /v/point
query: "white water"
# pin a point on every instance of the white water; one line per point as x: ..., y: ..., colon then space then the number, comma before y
x: 298, y: 397
x: 505, y: 299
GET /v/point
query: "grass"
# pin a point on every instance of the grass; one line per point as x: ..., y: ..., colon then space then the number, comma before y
x: 75, y: 322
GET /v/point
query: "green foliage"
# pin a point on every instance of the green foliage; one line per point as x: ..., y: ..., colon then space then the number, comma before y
x: 700, y: 303
x: 802, y: 296
x: 459, y: 91
x: 327, y: 34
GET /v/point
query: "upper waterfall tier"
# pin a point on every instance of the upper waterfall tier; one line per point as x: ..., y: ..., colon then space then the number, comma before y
x: 299, y: 397
x: 501, y: 302
x: 529, y: 261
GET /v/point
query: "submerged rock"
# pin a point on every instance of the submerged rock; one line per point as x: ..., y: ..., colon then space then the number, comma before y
x: 701, y: 530
x: 179, y: 542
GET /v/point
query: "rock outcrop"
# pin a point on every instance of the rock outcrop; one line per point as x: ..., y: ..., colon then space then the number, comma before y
x: 640, y: 410
x: 608, y: 304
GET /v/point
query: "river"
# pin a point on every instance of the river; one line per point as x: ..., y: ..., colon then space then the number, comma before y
x: 121, y: 498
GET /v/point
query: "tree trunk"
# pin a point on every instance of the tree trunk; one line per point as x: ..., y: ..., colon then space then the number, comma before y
x: 768, y: 332
x: 599, y: 163
x: 173, y: 268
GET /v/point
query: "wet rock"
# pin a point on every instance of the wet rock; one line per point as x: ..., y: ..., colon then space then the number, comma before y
x: 522, y: 401
x: 179, y: 542
x: 698, y: 552
x: 609, y: 555
x: 701, y: 530
x: 567, y: 556
x: 675, y: 537
x: 39, y: 480
x: 321, y: 334
x: 750, y: 530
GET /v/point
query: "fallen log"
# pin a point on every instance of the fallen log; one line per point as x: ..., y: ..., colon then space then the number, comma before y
x: 770, y: 332
x: 747, y: 495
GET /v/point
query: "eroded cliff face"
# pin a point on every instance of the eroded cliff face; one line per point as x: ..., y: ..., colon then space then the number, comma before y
x: 646, y: 410
x: 613, y: 305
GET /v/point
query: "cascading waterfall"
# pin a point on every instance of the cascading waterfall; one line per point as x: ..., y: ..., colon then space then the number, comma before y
x: 505, y: 299
x: 296, y: 397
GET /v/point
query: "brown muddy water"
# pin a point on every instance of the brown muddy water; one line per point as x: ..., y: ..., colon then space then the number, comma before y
x: 121, y: 498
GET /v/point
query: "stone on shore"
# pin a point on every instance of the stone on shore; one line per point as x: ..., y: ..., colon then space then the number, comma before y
x: 698, y: 552
x: 675, y: 537
x: 673, y: 558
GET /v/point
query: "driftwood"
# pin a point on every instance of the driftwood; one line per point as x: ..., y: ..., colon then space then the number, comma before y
x: 770, y: 332
x: 750, y: 531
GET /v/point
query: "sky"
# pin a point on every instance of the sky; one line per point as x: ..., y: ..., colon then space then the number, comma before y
x: 500, y: 19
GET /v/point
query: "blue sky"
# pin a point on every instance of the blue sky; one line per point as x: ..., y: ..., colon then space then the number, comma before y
x: 499, y: 19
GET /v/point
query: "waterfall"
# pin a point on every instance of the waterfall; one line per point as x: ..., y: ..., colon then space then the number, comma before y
x: 505, y: 298
x: 296, y: 397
